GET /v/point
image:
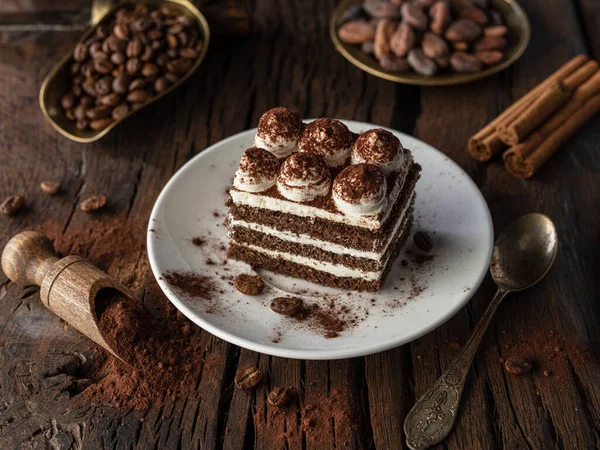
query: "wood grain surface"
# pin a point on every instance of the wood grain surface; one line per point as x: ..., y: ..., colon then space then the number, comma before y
x: 289, y: 60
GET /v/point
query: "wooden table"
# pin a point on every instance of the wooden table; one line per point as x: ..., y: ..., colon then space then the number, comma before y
x: 290, y: 61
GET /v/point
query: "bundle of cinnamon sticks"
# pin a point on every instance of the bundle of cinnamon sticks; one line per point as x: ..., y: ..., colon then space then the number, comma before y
x: 533, y: 128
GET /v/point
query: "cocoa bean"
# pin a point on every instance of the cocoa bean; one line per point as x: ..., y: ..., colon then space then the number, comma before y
x: 490, y: 43
x: 434, y: 46
x: 421, y: 63
x: 393, y: 63
x: 463, y: 62
x: 383, y: 33
x: 367, y: 47
x: 495, y: 31
x: 440, y: 16
x: 413, y: 15
x: 382, y: 9
x: 402, y: 40
x: 463, y: 30
x: 475, y: 14
x: 356, y: 32
x: 489, y: 57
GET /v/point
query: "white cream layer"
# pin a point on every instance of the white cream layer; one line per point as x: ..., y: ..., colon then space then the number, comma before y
x: 334, y: 269
x: 274, y: 204
x: 305, y: 239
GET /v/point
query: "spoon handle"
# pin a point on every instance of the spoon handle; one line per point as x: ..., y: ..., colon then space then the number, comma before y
x: 432, y: 417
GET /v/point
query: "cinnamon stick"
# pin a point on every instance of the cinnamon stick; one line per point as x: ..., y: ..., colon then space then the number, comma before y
x: 524, y: 159
x: 554, y: 97
x: 486, y: 143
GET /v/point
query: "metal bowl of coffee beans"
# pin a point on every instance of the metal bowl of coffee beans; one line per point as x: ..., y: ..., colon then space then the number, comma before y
x: 430, y: 42
x: 135, y: 54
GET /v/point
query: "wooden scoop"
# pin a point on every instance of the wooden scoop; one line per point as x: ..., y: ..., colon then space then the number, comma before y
x: 69, y: 286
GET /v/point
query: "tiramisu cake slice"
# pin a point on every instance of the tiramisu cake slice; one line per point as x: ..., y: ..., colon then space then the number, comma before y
x: 317, y: 202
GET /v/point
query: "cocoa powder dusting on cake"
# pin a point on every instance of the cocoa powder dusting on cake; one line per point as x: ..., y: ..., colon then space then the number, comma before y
x: 359, y: 181
x: 376, y: 146
x: 281, y: 122
x: 325, y: 136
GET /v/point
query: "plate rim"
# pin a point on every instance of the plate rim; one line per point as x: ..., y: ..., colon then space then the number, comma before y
x: 436, y: 80
x: 274, y: 350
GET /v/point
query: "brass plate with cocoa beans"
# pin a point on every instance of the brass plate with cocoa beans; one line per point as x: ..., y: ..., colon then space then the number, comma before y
x: 60, y: 80
x: 517, y: 38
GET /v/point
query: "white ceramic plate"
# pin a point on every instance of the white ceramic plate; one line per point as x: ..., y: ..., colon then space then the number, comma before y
x: 415, y: 299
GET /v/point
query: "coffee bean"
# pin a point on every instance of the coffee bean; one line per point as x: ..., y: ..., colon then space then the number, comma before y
x: 82, y: 124
x: 99, y: 112
x: 103, y: 66
x: 69, y: 114
x: 68, y: 100
x: 248, y: 378
x: 147, y: 54
x: 150, y: 70
x: 175, y: 29
x: 138, y: 96
x: 162, y: 60
x: 103, y: 85
x: 423, y: 241
x: 249, y: 284
x: 172, y: 53
x: 121, y: 31
x: 102, y: 31
x: 287, y: 306
x: 50, y: 187
x: 463, y: 62
x: 94, y: 203
x: 414, y: 16
x: 141, y: 24
x: 172, y: 77
x: 75, y: 68
x: 154, y: 34
x: 161, y: 84
x: 420, y: 63
x: 517, y: 365
x: 12, y: 205
x: 120, y: 111
x: 121, y: 83
x: 99, y: 55
x: 80, y: 53
x: 280, y: 397
x: 138, y: 83
x: 79, y: 112
x: 87, y: 69
x: 96, y: 47
x: 118, y: 58
x: 189, y: 53
x: 133, y: 66
x: 179, y: 66
x: 186, y: 21
x: 134, y: 48
x: 172, y: 41
x: 111, y: 99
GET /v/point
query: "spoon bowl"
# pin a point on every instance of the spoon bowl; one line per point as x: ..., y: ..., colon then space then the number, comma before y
x: 56, y: 84
x: 524, y: 252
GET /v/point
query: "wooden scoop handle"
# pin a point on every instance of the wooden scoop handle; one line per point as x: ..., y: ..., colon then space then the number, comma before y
x: 27, y: 258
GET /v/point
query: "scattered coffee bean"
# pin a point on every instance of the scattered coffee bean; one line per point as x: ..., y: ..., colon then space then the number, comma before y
x: 50, y: 187
x: 138, y: 41
x: 120, y: 111
x: 517, y: 365
x: 12, y: 205
x: 93, y: 203
x: 249, y: 284
x: 248, y: 378
x: 423, y: 241
x: 280, y: 397
x: 287, y: 306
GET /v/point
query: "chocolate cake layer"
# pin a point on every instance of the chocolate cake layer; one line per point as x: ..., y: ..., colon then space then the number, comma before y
x: 278, y: 265
x: 325, y: 230
x: 243, y: 235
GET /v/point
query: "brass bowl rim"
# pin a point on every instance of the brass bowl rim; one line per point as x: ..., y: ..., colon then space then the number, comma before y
x: 101, y: 133
x: 436, y: 80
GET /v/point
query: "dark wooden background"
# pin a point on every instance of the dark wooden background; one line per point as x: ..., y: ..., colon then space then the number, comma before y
x: 289, y: 60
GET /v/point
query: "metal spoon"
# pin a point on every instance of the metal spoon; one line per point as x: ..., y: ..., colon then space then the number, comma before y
x: 523, y: 255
